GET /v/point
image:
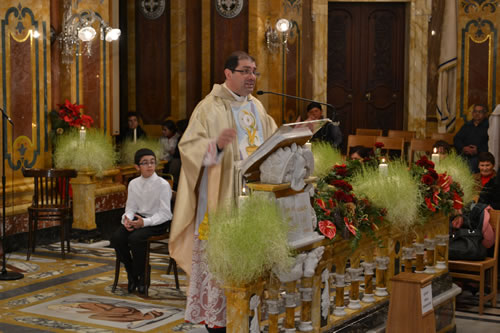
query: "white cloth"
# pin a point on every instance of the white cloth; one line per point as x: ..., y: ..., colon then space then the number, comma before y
x: 168, y: 146
x: 149, y: 197
x: 447, y: 70
x: 206, y: 302
x: 494, y: 135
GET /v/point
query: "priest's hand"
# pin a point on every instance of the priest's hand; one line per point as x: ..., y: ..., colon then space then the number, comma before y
x: 226, y: 137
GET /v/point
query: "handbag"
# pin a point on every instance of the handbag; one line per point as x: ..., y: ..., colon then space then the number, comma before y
x: 465, y: 243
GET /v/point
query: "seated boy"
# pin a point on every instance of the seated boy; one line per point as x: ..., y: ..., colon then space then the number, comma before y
x: 147, y: 213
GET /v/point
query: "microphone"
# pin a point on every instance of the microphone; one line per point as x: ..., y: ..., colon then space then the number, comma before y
x: 6, y: 116
x: 260, y: 92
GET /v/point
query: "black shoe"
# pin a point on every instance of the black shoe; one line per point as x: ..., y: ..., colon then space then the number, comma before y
x: 141, y: 289
x: 132, y: 284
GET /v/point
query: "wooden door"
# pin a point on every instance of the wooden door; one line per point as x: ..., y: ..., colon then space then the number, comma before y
x: 366, y: 64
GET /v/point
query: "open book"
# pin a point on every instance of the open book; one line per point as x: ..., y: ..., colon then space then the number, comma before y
x: 284, y: 136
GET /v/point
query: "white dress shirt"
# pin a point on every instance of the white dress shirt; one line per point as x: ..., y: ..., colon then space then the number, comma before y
x: 149, y: 197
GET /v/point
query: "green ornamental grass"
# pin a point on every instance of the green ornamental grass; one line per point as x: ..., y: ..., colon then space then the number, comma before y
x: 129, y: 148
x: 397, y: 192
x: 246, y: 242
x: 325, y: 156
x: 93, y: 153
x: 456, y: 167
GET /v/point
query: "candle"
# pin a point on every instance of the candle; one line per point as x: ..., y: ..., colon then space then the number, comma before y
x: 82, y: 134
x: 435, y: 156
x: 383, y: 167
x: 135, y: 135
x: 308, y: 145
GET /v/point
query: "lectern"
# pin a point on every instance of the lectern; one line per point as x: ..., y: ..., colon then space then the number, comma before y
x: 410, y: 307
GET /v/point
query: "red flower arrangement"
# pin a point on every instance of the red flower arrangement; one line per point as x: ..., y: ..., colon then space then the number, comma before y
x: 73, y: 115
x: 339, y: 211
x: 441, y: 193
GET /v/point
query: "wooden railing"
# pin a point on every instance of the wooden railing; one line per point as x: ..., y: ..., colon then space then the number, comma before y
x: 319, y: 299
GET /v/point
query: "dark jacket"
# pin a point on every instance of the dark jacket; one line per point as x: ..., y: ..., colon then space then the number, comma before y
x: 472, y: 135
x: 129, y: 134
x: 329, y: 133
x: 490, y: 193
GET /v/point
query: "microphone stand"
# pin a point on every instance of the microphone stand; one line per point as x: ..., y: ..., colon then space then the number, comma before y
x: 260, y: 92
x: 4, y: 274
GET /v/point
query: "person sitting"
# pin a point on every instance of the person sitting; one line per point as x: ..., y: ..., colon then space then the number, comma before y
x: 147, y: 213
x: 175, y: 164
x: 134, y: 130
x: 472, y: 138
x: 329, y: 132
x: 168, y: 139
x: 490, y: 184
x: 442, y: 147
x: 360, y: 153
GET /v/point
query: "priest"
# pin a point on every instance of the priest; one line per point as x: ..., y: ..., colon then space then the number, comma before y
x: 225, y: 127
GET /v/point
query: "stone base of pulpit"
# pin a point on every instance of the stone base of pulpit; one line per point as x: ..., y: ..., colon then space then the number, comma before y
x: 306, y: 240
x: 296, y: 208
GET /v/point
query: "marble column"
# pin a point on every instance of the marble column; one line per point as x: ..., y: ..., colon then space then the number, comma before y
x: 420, y: 14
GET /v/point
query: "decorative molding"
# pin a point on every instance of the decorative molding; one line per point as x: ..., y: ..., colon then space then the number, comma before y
x: 229, y: 8
x: 479, y: 5
x: 20, y: 32
x: 152, y: 9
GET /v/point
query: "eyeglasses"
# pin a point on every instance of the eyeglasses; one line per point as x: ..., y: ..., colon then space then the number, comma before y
x: 146, y: 163
x: 247, y: 71
x: 479, y: 111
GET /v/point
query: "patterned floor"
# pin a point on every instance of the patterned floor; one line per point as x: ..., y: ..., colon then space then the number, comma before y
x: 468, y: 318
x: 58, y: 295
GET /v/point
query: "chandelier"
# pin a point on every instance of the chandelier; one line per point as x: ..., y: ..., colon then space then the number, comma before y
x: 78, y: 32
x: 276, y: 37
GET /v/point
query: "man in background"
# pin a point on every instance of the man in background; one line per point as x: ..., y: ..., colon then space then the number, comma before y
x: 472, y: 138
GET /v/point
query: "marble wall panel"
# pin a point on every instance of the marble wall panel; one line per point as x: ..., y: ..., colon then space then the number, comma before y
x: 25, y: 82
x: 178, y: 59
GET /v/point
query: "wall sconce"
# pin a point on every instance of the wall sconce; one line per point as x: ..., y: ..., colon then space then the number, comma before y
x: 275, y: 37
x: 77, y: 28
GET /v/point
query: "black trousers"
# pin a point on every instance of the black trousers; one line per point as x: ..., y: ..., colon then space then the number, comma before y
x: 130, y: 247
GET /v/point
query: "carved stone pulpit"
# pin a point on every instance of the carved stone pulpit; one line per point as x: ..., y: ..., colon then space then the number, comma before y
x: 281, y: 171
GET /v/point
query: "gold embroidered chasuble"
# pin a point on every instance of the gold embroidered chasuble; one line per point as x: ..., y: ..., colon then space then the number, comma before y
x: 210, y: 117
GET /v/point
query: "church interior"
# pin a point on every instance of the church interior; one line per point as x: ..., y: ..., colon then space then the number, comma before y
x: 417, y: 66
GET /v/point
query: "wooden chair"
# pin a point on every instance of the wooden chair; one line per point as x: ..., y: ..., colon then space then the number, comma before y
x: 448, y: 137
x: 162, y: 240
x: 393, y: 144
x: 360, y: 140
x: 368, y: 131
x: 407, y: 135
x: 481, y: 271
x: 420, y: 145
x: 51, y: 202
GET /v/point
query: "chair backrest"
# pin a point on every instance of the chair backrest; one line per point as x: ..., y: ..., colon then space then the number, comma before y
x: 393, y: 144
x: 360, y: 140
x: 495, y: 224
x: 448, y: 137
x: 423, y: 145
x: 407, y: 135
x: 51, y: 186
x: 368, y: 131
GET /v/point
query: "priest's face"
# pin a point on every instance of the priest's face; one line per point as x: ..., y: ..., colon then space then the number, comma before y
x: 242, y: 79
